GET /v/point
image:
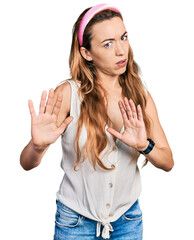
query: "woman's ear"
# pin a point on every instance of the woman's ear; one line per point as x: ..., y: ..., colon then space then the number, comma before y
x: 85, y: 54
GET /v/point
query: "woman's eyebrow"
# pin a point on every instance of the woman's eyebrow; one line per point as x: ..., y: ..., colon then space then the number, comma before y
x: 110, y: 39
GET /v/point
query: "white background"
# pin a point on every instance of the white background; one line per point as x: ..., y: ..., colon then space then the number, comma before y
x: 34, y: 49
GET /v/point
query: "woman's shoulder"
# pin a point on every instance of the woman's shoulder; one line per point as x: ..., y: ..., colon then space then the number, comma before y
x: 65, y: 85
x: 150, y: 108
x: 64, y: 88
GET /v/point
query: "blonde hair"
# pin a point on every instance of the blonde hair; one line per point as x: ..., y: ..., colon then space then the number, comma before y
x: 93, y: 110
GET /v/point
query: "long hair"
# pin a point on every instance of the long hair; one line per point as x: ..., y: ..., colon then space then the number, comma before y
x: 93, y: 108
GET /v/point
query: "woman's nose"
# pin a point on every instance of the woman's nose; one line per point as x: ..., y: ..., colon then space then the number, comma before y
x: 119, y: 49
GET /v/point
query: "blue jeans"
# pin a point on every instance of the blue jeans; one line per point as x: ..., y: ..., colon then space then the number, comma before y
x: 71, y: 225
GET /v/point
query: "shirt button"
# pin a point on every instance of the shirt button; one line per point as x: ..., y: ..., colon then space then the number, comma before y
x: 110, y: 185
x: 110, y: 215
x: 107, y: 205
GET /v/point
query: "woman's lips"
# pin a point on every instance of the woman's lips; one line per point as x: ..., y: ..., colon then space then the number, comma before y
x: 122, y: 63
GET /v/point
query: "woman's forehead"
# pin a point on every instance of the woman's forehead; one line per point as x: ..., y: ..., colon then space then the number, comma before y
x: 111, y: 28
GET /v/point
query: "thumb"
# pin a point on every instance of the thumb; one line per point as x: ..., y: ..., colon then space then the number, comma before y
x: 114, y: 133
x: 65, y: 123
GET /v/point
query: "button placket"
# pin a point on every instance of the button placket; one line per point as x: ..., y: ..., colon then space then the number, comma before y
x: 110, y: 185
x: 110, y: 191
x: 112, y: 158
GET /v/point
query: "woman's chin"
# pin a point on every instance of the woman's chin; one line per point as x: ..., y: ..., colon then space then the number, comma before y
x: 121, y: 71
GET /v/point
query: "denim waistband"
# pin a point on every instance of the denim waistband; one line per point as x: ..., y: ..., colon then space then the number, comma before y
x: 60, y: 204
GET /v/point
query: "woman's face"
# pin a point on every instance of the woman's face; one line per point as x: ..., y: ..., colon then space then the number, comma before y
x: 109, y: 47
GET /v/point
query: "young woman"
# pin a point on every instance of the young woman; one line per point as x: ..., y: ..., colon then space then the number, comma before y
x: 106, y: 118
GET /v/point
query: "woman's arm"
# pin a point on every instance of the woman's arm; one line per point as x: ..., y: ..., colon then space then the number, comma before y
x: 161, y: 155
x: 135, y: 134
x: 47, y: 126
x: 31, y: 156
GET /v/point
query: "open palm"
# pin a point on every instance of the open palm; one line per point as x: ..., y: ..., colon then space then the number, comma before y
x: 134, y: 134
x: 44, y: 129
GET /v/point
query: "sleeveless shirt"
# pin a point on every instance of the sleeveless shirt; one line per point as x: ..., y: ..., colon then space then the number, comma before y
x: 101, y: 195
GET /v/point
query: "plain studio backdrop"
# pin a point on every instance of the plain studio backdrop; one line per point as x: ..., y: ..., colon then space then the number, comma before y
x: 34, y: 51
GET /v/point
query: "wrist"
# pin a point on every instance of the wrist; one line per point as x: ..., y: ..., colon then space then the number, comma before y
x: 149, y: 147
x: 38, y: 148
x: 144, y: 147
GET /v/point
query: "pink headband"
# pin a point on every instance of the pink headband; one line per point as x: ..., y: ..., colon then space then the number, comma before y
x: 89, y: 15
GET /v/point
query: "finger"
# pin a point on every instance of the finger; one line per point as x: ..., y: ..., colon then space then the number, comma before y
x: 114, y: 133
x: 123, y: 112
x: 50, y: 100
x: 42, y: 102
x: 139, y: 113
x: 133, y: 108
x: 128, y: 108
x: 58, y: 104
x: 65, y: 123
x: 31, y: 108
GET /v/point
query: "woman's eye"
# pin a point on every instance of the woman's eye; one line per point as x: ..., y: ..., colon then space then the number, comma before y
x: 107, y: 45
x: 124, y: 38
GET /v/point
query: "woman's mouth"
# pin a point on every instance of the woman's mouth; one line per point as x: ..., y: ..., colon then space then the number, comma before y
x: 122, y: 63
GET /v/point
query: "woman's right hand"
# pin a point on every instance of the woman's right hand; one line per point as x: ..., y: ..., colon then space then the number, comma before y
x: 44, y: 129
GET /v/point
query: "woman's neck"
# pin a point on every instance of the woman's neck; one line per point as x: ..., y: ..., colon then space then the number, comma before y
x: 109, y: 82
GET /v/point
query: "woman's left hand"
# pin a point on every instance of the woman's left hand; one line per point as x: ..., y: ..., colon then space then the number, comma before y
x: 134, y: 134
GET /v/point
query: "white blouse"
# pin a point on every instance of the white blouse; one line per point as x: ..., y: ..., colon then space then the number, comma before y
x: 101, y: 195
